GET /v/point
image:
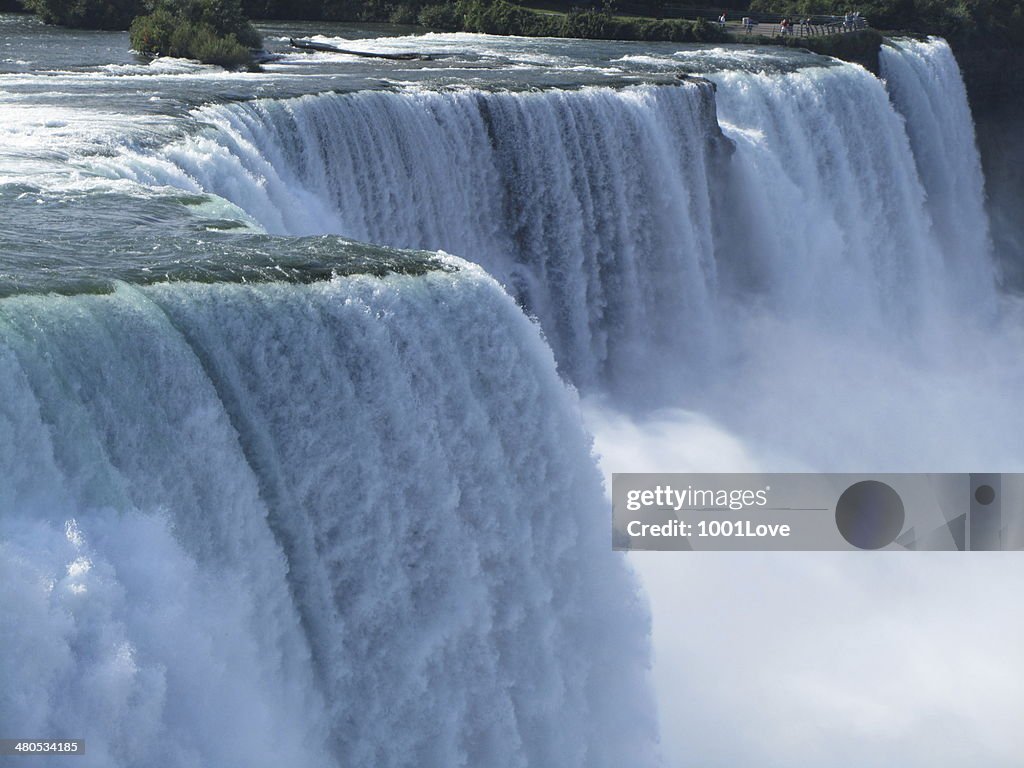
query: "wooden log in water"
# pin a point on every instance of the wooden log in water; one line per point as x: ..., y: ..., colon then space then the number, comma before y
x: 309, y: 45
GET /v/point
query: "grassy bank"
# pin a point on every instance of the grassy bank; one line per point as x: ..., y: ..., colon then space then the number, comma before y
x: 504, y: 18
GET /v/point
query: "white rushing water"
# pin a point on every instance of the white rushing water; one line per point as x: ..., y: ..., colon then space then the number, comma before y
x: 592, y: 205
x: 348, y: 523
x: 874, y: 335
x: 622, y: 219
x: 812, y: 660
x: 358, y: 522
x: 828, y: 200
x: 924, y: 82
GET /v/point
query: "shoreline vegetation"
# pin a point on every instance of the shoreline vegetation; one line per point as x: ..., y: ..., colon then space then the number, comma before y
x: 500, y: 17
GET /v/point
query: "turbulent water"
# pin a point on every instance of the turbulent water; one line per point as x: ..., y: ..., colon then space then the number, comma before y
x: 924, y: 82
x: 593, y: 205
x: 617, y: 217
x: 274, y: 497
x: 352, y: 522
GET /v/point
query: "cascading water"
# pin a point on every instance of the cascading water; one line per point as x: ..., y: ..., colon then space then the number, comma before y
x: 618, y: 217
x: 592, y: 205
x: 828, y: 205
x: 357, y: 522
x: 871, y: 296
x: 353, y: 522
x: 924, y: 82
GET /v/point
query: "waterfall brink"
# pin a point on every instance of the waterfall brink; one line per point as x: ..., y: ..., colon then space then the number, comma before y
x: 592, y: 205
x: 353, y: 522
x: 622, y: 218
x: 837, y: 229
x: 924, y: 82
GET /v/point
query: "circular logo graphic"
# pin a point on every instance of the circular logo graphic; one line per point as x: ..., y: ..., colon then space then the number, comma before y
x: 985, y: 494
x: 870, y: 514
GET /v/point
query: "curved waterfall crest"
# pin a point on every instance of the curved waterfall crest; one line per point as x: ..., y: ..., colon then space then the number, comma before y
x: 358, y: 519
x: 624, y: 219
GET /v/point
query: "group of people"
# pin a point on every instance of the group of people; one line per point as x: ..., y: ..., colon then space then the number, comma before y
x: 787, y: 27
x: 852, y: 20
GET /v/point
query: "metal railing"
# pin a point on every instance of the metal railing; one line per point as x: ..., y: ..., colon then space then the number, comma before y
x: 814, y: 26
x: 763, y: 23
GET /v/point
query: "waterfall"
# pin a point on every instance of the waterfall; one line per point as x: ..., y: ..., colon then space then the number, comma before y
x: 924, y: 82
x: 622, y: 218
x: 347, y: 519
x: 592, y: 205
x: 352, y: 522
x: 847, y: 224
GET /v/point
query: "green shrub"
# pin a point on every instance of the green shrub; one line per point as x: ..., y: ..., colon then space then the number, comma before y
x: 87, y: 14
x: 503, y: 18
x: 673, y: 30
x: 152, y: 33
x: 499, y: 17
x: 404, y: 13
x: 445, y: 17
x: 212, y: 31
x: 203, y: 43
x: 587, y: 24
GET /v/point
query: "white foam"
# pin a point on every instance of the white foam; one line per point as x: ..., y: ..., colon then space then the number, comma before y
x: 351, y: 523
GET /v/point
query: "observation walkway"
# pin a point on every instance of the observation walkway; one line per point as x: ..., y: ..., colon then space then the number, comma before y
x: 816, y: 26
x: 766, y: 24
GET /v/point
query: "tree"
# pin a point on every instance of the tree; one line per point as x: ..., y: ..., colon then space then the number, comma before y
x: 89, y: 14
x: 212, y: 31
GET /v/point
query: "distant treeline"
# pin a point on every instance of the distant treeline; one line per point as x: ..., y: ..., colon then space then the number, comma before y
x: 586, y: 19
x: 503, y: 18
x: 962, y: 21
x: 218, y: 31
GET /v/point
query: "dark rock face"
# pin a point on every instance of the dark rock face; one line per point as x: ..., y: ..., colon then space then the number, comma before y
x: 994, y: 77
x: 995, y: 86
x: 1000, y: 131
x: 860, y: 47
